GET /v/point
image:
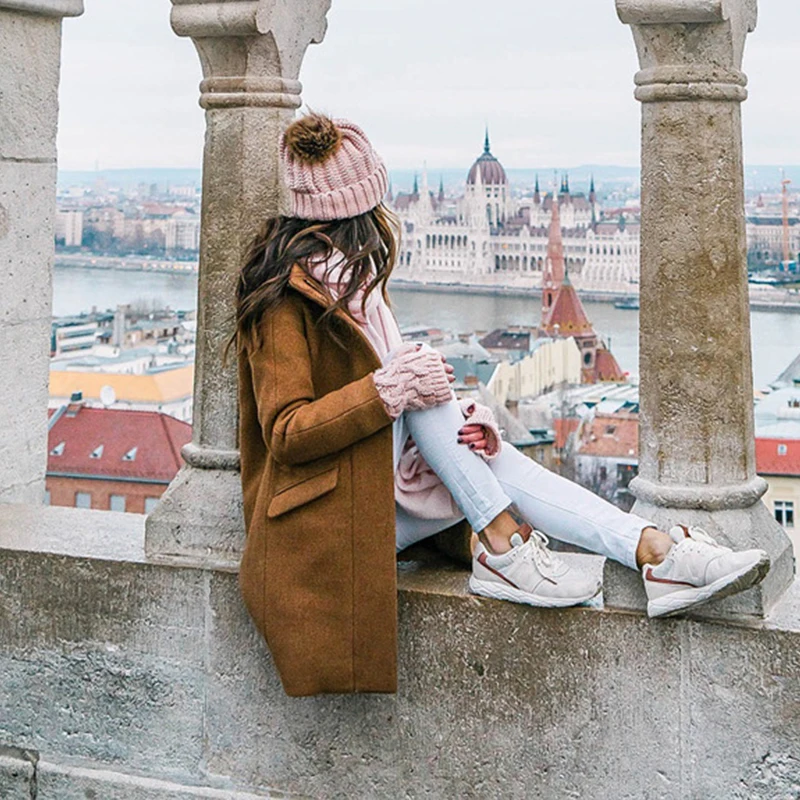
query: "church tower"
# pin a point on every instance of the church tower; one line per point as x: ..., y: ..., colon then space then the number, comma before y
x: 563, y: 314
x: 553, y: 272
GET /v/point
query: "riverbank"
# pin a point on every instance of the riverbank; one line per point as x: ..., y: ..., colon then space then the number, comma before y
x: 778, y: 300
x: 775, y: 332
x: 763, y: 298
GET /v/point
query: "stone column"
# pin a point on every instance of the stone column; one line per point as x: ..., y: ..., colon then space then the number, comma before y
x: 30, y: 57
x: 697, y: 459
x: 250, y: 52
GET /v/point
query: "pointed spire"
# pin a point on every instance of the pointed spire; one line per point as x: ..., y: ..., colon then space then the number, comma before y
x: 566, y: 182
x: 416, y: 186
x: 591, y: 183
x: 592, y: 195
x: 537, y: 197
x: 553, y: 272
x: 441, y: 189
x: 486, y: 142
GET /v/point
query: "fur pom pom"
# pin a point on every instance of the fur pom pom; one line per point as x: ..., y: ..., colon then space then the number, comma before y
x: 313, y: 139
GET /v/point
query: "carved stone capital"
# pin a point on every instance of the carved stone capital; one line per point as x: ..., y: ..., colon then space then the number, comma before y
x: 45, y: 8
x: 690, y: 49
x: 251, y: 50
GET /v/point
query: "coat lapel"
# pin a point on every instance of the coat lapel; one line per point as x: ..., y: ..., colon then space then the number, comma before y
x: 302, y: 282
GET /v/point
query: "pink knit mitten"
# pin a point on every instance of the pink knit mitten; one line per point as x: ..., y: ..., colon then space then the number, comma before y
x: 477, y: 414
x: 414, y: 380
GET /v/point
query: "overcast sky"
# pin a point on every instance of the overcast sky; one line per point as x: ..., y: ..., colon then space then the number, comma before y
x: 553, y: 80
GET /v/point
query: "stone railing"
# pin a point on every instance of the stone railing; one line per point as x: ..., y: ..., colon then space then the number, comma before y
x: 128, y: 668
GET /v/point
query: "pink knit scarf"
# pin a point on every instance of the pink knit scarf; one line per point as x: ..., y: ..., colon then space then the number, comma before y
x: 418, y: 489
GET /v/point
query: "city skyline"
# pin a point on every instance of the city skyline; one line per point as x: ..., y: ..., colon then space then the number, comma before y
x: 557, y: 91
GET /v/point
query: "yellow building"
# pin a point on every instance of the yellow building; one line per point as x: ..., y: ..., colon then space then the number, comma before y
x: 552, y: 362
x: 168, y: 390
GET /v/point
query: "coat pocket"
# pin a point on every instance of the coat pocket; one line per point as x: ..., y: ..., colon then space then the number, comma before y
x: 304, y: 492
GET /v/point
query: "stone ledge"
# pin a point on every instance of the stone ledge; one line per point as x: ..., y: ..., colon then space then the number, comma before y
x: 113, y: 536
x: 79, y: 532
x: 25, y: 775
x: 156, y: 671
x: 67, y: 782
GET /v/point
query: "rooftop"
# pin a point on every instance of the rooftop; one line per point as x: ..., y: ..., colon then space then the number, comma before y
x: 113, y: 443
x: 611, y: 435
x: 778, y: 457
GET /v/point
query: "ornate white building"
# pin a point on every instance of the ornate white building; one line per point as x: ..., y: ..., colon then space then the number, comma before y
x: 488, y: 238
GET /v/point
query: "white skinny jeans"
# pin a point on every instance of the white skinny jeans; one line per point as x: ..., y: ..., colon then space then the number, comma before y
x: 552, y: 504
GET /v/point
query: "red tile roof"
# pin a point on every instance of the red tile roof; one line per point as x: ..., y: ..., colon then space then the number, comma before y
x: 567, y: 313
x: 769, y: 460
x: 606, y: 367
x: 564, y: 428
x: 611, y: 435
x: 157, y: 437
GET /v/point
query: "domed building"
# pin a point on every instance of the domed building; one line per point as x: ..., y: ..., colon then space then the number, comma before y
x: 489, y: 238
x: 487, y: 188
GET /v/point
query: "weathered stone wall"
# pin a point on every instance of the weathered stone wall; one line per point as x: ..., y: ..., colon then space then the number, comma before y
x: 114, y: 670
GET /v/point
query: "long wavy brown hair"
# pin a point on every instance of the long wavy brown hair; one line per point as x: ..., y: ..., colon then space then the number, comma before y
x: 368, y: 243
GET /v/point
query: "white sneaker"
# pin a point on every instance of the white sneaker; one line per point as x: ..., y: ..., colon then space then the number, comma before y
x: 698, y: 569
x: 530, y: 573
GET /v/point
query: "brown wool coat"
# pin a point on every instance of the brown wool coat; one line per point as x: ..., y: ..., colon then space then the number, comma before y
x: 318, y: 573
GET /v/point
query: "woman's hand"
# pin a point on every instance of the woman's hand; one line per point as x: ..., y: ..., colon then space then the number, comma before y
x: 479, y: 432
x: 415, y: 347
x: 450, y: 370
x: 416, y: 378
x: 474, y: 436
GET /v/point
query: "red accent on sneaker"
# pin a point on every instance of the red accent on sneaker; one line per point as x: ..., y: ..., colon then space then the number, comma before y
x: 525, y: 530
x: 648, y: 576
x: 482, y: 561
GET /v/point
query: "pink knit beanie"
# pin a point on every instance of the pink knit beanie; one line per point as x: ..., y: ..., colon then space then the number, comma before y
x: 331, y: 169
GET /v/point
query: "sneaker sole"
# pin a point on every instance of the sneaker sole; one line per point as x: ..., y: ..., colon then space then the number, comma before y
x: 499, y: 591
x: 678, y: 602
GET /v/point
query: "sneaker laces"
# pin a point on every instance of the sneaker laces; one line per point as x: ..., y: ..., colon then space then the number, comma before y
x: 699, y: 536
x: 538, y: 551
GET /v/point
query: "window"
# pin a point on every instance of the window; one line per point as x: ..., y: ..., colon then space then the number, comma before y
x: 117, y: 502
x: 150, y: 504
x: 58, y: 450
x: 130, y: 455
x: 83, y: 500
x: 97, y: 452
x: 784, y: 513
x: 782, y: 449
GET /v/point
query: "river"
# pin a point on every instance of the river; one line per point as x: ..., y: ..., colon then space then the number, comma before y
x: 776, y: 334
